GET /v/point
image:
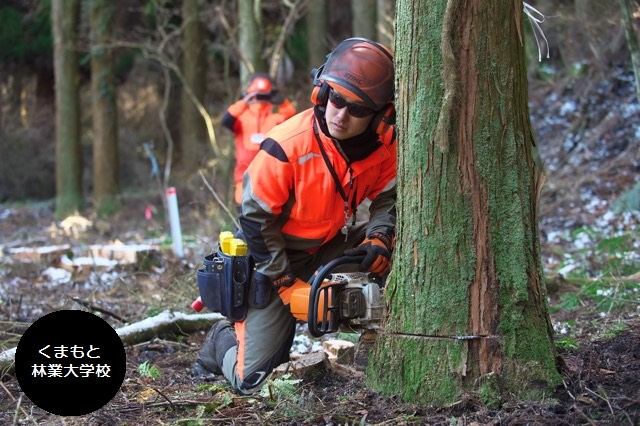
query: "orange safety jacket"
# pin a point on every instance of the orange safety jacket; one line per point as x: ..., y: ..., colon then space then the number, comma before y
x: 249, y: 124
x: 290, y: 201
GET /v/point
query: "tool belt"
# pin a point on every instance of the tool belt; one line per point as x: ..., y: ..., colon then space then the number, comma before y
x: 228, y: 285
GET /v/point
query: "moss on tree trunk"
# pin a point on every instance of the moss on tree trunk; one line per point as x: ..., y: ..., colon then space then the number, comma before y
x: 467, y: 308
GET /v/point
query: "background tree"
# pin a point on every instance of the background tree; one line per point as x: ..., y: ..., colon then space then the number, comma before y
x: 630, y: 11
x: 363, y: 15
x: 316, y: 21
x: 64, y: 19
x: 386, y: 20
x: 250, y: 36
x: 467, y: 305
x: 26, y: 96
x: 194, y: 132
x: 106, y: 170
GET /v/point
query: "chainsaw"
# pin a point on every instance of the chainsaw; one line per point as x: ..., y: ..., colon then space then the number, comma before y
x: 339, y: 301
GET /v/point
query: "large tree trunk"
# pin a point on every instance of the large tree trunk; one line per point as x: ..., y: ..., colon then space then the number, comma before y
x: 467, y: 306
x: 64, y: 22
x: 106, y: 170
x: 193, y: 133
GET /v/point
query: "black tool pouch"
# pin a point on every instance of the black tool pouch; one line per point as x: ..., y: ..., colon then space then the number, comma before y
x: 260, y: 292
x: 224, y: 283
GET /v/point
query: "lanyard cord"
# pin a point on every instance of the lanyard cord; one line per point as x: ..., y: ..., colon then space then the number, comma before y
x: 334, y: 175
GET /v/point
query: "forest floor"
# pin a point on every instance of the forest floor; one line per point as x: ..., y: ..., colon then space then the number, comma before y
x: 588, y: 132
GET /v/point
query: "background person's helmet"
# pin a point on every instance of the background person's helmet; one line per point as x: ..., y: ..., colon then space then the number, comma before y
x: 360, y: 69
x: 260, y: 83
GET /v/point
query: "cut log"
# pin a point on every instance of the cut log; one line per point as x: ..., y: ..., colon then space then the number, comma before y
x: 306, y: 367
x: 44, y: 254
x: 132, y: 254
x: 339, y: 351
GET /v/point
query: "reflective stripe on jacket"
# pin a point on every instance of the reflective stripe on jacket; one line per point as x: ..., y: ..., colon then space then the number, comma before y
x: 290, y: 199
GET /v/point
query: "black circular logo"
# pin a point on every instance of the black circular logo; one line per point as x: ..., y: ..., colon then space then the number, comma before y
x: 70, y: 363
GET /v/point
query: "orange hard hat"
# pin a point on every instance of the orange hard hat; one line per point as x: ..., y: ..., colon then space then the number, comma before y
x: 260, y: 83
x: 361, y: 69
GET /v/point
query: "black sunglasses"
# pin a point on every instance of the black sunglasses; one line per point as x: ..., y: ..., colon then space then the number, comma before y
x: 355, y: 110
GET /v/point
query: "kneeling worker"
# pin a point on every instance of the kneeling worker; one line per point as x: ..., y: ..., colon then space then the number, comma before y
x: 299, y: 199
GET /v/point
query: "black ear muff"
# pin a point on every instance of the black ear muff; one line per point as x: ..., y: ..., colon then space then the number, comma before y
x: 383, y: 119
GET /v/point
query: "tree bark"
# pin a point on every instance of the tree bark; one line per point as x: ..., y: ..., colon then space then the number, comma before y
x: 106, y: 170
x: 64, y: 23
x: 467, y: 305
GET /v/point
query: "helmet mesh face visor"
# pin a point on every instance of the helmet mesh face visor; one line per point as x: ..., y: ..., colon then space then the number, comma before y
x: 363, y: 69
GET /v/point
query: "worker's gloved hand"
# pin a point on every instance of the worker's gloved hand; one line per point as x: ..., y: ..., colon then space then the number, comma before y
x: 287, y: 284
x: 277, y: 98
x: 250, y: 98
x: 377, y: 253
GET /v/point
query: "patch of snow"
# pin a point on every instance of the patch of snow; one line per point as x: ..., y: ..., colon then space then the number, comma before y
x: 583, y: 240
x: 567, y: 268
x: 606, y: 292
x: 630, y: 110
x: 554, y: 236
x: 568, y: 107
x: 56, y: 276
x: 561, y: 328
x: 593, y: 204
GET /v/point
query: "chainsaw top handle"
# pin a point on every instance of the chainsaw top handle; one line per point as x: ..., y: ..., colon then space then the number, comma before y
x: 329, y: 321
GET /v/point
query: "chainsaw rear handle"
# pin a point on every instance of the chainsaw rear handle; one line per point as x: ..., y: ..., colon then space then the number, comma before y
x: 329, y: 319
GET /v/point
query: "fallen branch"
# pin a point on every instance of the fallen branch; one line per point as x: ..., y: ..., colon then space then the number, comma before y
x: 165, y: 323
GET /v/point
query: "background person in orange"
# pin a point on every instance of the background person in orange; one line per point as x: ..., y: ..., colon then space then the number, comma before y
x: 250, y: 118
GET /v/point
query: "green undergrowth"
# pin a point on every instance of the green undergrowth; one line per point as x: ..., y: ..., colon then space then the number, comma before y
x: 595, y: 291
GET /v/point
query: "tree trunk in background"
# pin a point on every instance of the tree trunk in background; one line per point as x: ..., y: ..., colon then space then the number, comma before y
x: 467, y: 305
x: 64, y: 23
x: 194, y: 132
x: 106, y: 171
x: 630, y: 10
x: 250, y: 39
x: 317, y: 30
x: 386, y: 27
x: 363, y: 15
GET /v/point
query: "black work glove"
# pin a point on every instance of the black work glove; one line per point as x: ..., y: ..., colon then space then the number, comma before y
x: 277, y: 98
x: 377, y: 253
